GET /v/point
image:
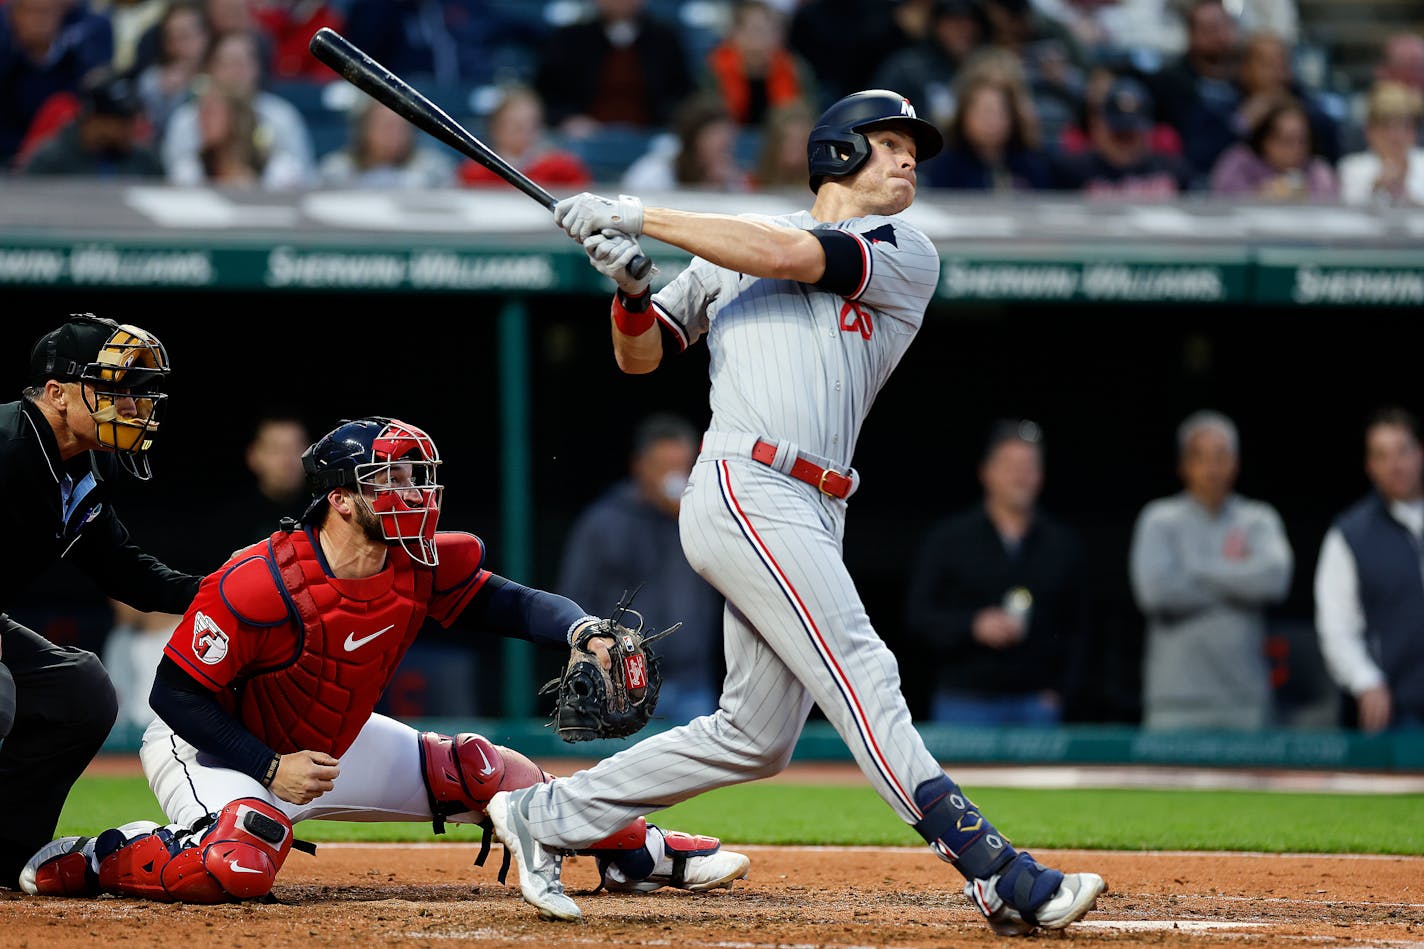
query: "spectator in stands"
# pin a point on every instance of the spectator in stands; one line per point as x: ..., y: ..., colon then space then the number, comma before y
x: 1054, y: 64
x: 997, y: 602
x: 620, y: 66
x: 752, y: 70
x: 1075, y: 138
x: 1204, y: 565
x: 289, y: 25
x: 924, y: 73
x: 1369, y: 597
x: 46, y: 48
x: 845, y: 42
x: 1275, y: 162
x: 130, y: 21
x: 237, y: 16
x: 272, y: 454
x: 1266, y: 78
x: 1402, y: 60
x: 993, y: 142
x: 704, y: 158
x: 628, y: 539
x: 106, y: 140
x: 1120, y: 160
x: 282, y: 142
x: 1391, y: 170
x: 1199, y: 94
x: 183, y: 38
x: 133, y: 648
x: 383, y: 153
x: 447, y: 41
x: 517, y: 133
x: 230, y: 151
x: 781, y: 158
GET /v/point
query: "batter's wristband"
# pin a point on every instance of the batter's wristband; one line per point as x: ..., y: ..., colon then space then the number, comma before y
x: 632, y: 315
x: 271, y: 774
x: 576, y: 624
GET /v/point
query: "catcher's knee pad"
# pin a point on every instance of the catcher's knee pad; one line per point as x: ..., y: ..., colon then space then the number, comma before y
x: 954, y: 829
x: 237, y: 857
x: 462, y: 773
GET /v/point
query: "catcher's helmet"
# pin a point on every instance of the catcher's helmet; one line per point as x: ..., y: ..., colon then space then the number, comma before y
x: 837, y: 146
x: 391, y: 466
x: 121, y: 366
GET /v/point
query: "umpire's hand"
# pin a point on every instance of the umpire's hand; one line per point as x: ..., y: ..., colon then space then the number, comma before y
x: 304, y: 776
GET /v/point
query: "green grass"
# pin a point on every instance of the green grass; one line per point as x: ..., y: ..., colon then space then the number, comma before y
x: 796, y: 814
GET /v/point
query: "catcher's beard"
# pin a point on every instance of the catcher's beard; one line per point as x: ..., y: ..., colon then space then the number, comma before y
x: 368, y: 520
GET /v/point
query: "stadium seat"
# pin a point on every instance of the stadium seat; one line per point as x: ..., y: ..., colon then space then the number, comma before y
x: 610, y: 151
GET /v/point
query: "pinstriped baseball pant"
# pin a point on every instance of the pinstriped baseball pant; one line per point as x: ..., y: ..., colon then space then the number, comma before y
x: 795, y: 633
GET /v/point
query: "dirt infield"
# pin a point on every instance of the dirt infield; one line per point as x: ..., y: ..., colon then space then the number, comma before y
x: 431, y: 895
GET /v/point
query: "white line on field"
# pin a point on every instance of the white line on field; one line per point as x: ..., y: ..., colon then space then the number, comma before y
x: 910, y: 850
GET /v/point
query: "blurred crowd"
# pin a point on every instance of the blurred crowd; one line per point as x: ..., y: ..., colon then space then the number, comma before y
x: 1139, y: 99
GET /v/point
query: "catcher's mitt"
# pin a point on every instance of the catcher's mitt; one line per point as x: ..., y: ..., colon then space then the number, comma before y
x: 593, y: 702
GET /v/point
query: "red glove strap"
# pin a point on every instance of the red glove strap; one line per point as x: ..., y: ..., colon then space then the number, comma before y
x: 629, y: 322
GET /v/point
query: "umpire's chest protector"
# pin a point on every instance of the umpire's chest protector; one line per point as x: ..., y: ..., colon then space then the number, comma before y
x: 351, y: 635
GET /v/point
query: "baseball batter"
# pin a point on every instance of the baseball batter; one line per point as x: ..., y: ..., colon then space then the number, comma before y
x: 266, y: 692
x: 806, y: 316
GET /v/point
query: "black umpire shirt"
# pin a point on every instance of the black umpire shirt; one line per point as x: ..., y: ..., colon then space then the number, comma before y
x: 45, y: 527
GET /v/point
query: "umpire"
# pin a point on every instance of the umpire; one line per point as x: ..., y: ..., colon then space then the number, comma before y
x: 90, y: 409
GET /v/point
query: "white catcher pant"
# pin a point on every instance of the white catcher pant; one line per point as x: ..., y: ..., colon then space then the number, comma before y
x: 380, y: 779
x: 795, y: 633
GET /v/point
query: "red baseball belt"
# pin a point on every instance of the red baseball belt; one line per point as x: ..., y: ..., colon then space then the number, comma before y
x: 825, y: 480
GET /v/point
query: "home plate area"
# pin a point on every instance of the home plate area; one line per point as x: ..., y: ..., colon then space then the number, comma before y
x: 794, y: 898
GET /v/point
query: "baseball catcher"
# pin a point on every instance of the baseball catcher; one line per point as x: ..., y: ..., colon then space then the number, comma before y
x: 267, y: 689
x: 607, y: 691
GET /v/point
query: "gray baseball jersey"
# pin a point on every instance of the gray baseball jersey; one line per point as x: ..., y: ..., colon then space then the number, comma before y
x: 799, y: 366
x: 796, y: 363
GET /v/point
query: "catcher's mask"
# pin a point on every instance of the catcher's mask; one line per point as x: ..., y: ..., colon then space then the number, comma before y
x: 122, y: 369
x: 391, y: 468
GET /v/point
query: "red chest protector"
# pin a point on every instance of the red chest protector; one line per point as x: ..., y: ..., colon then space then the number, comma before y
x: 349, y: 648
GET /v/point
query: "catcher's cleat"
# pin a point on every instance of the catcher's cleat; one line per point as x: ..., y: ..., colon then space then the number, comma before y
x: 1075, y: 895
x: 539, y: 866
x: 61, y: 868
x: 688, y: 863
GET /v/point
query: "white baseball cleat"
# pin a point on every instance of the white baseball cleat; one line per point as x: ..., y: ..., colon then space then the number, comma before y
x: 1075, y: 896
x: 694, y: 863
x: 539, y: 866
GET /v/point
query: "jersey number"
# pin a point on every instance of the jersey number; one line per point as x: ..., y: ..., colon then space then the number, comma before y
x: 854, y: 319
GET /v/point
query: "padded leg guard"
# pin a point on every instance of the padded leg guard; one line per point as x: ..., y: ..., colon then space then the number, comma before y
x: 235, y: 858
x: 954, y: 829
x: 61, y: 868
x: 462, y: 773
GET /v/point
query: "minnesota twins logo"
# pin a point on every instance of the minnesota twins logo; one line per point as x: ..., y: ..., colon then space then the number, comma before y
x: 209, y: 642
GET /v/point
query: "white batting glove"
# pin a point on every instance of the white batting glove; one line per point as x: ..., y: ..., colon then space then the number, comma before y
x: 610, y: 251
x: 586, y: 214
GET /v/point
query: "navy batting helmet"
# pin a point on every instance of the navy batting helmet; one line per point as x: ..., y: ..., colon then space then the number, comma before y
x: 837, y: 146
x: 392, y: 466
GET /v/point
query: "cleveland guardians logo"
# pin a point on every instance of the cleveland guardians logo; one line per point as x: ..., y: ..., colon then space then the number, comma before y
x: 209, y: 642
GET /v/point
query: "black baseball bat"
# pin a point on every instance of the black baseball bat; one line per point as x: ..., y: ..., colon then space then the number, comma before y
x: 378, y: 82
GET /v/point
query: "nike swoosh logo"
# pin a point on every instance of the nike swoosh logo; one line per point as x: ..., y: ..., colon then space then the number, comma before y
x: 353, y: 644
x: 488, y: 769
x: 239, y: 868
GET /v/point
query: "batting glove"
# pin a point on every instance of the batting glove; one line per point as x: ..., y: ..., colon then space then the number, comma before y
x: 586, y: 214
x: 610, y: 251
